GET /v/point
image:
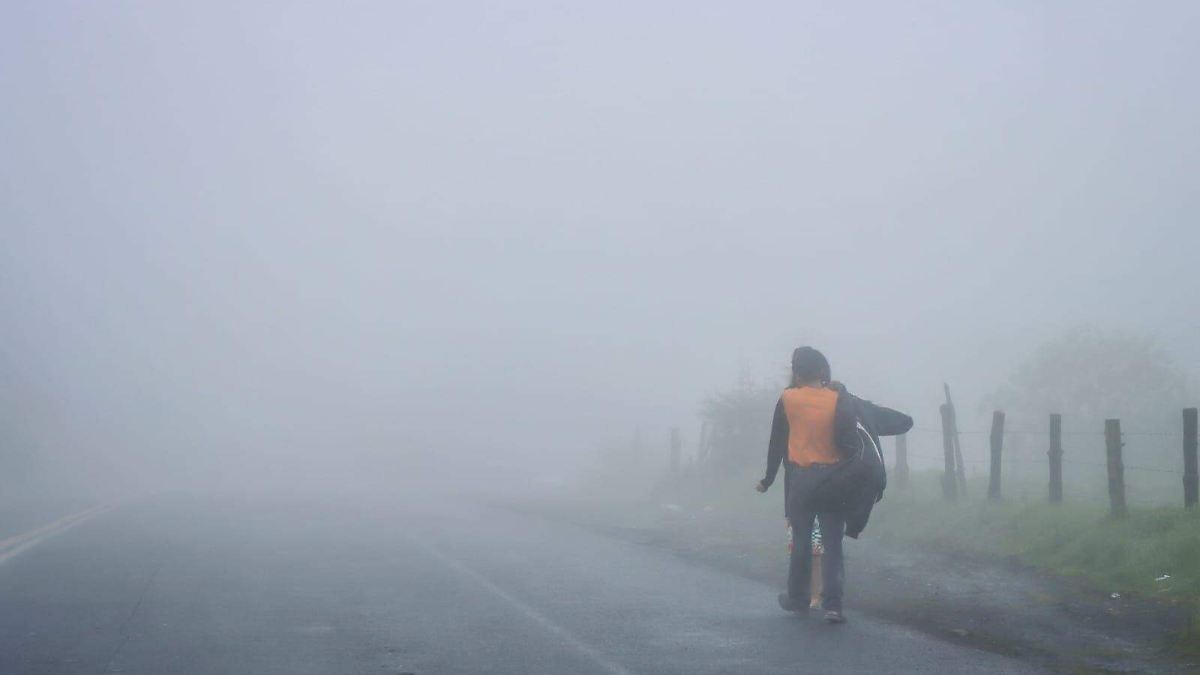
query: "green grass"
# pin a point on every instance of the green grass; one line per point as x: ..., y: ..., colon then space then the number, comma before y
x: 1076, y: 538
x: 1127, y: 555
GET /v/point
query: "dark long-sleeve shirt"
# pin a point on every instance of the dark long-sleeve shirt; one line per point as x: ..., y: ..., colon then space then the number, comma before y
x: 880, y: 420
x: 777, y: 446
x: 885, y: 421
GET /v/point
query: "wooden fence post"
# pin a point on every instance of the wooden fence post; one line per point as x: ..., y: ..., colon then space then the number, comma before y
x: 949, y: 480
x: 902, y: 460
x: 960, y: 466
x: 997, y: 445
x: 1116, y: 470
x: 1055, y: 453
x: 1191, y: 477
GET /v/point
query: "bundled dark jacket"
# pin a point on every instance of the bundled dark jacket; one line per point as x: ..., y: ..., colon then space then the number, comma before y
x: 858, y: 424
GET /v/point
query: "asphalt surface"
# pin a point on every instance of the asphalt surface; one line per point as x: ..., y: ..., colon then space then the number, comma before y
x: 291, y: 585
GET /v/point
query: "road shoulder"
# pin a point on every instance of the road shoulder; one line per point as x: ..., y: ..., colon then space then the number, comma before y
x: 995, y: 605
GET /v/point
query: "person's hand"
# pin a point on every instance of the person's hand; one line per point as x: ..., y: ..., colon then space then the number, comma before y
x: 760, y: 487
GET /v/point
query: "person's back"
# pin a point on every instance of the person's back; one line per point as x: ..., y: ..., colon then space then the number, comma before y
x: 810, y: 411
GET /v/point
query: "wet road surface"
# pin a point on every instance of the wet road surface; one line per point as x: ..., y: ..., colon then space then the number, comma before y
x: 303, y: 585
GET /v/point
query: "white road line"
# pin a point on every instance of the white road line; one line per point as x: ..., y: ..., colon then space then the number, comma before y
x: 532, y: 614
x: 18, y: 544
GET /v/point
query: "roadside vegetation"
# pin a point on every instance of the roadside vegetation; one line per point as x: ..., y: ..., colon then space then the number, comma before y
x: 1152, y: 551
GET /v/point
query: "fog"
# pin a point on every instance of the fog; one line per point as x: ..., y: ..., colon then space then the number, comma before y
x: 381, y: 241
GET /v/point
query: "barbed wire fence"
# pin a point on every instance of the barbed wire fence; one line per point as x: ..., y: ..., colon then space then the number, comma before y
x: 1094, y: 461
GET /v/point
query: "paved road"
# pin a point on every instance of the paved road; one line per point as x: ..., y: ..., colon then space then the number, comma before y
x: 234, y: 585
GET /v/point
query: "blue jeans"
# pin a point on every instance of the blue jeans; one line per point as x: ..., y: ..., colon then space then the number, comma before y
x: 833, y: 569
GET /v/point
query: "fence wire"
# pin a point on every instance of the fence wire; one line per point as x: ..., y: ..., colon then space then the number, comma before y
x: 1046, y: 432
x: 1085, y: 480
x: 1065, y: 461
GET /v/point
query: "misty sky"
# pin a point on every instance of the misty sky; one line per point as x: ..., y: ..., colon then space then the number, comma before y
x: 237, y: 234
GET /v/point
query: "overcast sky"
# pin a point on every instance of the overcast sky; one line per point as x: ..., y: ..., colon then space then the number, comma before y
x: 272, y: 230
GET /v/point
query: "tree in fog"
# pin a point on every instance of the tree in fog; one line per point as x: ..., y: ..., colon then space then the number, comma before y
x: 1088, y: 375
x: 738, y: 421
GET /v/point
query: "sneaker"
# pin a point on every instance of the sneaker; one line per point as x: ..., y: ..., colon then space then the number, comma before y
x: 835, y: 616
x: 787, y: 605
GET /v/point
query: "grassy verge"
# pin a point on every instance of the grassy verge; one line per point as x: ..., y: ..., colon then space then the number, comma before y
x: 1153, y: 552
x: 1129, y: 555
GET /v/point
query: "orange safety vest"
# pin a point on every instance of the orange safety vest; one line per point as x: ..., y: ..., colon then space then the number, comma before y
x: 810, y: 425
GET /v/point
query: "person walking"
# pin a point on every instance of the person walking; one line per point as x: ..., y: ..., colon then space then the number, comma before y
x: 812, y: 414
